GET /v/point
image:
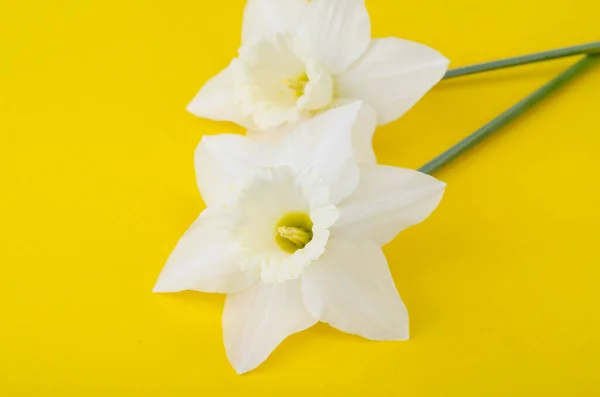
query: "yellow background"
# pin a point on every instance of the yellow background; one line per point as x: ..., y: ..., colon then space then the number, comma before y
x: 97, y: 185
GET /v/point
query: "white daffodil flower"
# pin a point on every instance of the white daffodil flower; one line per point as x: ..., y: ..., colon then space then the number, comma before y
x: 299, y: 58
x: 292, y: 232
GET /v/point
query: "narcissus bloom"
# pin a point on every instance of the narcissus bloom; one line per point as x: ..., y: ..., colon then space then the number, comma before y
x: 299, y: 58
x: 293, y: 231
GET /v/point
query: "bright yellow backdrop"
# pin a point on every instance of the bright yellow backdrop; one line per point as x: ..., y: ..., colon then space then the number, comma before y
x: 97, y: 185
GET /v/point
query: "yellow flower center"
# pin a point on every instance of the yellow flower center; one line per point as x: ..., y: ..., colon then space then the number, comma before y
x: 297, y: 85
x: 293, y: 231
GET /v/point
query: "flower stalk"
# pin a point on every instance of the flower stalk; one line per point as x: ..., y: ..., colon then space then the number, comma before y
x: 509, y: 115
x: 582, y: 49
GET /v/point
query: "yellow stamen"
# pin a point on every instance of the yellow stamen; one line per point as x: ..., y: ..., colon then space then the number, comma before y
x: 297, y: 84
x: 296, y: 235
x: 293, y: 231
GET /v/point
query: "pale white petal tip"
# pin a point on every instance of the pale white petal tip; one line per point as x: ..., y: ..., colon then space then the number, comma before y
x: 216, y: 99
x: 160, y: 290
x: 353, y: 108
x: 392, y: 76
x: 403, y: 334
x: 242, y: 369
x: 194, y: 109
x: 199, y: 108
x: 157, y: 290
x: 441, y: 185
x: 162, y: 287
x: 244, y: 365
x: 258, y: 319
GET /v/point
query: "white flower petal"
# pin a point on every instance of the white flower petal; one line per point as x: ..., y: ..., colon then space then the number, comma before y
x: 256, y: 321
x: 362, y: 132
x: 222, y: 162
x: 392, y: 76
x: 336, y: 32
x: 215, y: 100
x: 263, y: 18
x: 273, y: 134
x: 387, y: 201
x: 362, y: 135
x: 351, y: 288
x: 205, y: 259
x: 325, y: 144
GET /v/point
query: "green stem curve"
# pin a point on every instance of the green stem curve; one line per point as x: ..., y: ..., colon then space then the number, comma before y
x: 582, y: 49
x: 509, y: 115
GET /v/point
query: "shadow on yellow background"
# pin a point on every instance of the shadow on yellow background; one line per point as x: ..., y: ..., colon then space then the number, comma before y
x: 97, y: 185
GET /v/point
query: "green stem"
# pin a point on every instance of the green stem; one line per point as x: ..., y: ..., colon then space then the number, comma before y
x: 509, y: 115
x: 590, y: 48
